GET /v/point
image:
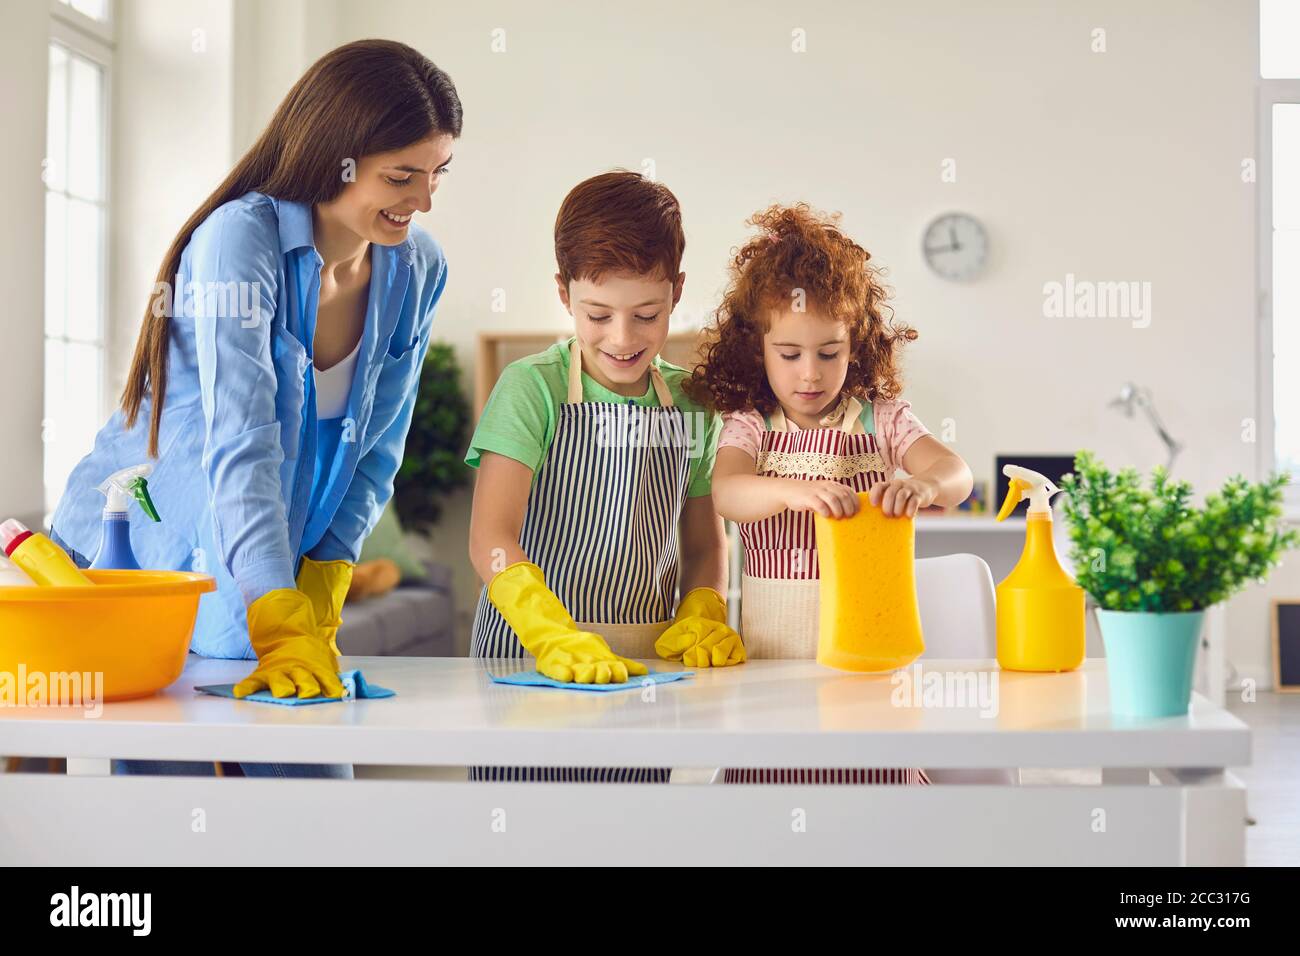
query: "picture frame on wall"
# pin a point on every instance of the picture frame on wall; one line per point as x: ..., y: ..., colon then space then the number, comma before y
x: 1284, y: 621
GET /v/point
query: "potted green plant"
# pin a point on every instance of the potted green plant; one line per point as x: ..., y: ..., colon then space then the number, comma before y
x: 1153, y: 563
x: 433, y: 464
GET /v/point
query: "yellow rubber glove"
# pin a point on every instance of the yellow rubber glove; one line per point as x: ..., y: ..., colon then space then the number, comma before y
x: 326, y: 583
x: 292, y: 657
x: 550, y: 634
x: 699, y: 635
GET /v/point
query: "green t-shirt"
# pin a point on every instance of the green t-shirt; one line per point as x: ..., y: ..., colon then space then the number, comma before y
x: 519, y: 418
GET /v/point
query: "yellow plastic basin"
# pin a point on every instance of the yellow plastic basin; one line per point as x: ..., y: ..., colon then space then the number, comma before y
x: 134, y: 627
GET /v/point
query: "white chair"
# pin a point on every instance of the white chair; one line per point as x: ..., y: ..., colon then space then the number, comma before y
x: 958, y: 613
x: 958, y: 617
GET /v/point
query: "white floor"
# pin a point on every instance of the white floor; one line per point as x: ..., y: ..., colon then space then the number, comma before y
x: 1273, y: 778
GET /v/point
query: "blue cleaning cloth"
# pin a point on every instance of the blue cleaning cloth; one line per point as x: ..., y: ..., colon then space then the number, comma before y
x: 535, y: 679
x: 355, y: 687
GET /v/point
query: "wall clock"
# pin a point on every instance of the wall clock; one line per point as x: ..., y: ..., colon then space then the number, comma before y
x: 956, y: 246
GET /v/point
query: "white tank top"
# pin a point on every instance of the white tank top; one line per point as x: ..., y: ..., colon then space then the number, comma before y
x: 334, y: 385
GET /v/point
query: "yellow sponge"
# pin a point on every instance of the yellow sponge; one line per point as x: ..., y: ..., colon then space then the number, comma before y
x: 870, y: 620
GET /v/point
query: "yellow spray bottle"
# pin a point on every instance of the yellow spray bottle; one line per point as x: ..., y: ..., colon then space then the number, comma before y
x: 1040, y: 612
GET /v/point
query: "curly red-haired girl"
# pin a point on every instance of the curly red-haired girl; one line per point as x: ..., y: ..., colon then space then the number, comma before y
x: 804, y: 363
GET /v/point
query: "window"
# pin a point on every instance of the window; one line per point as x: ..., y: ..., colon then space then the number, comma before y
x: 76, y: 236
x: 1279, y: 39
x: 1284, y: 239
x: 1279, y: 240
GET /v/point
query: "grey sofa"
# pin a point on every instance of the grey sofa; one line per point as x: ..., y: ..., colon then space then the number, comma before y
x: 415, y: 619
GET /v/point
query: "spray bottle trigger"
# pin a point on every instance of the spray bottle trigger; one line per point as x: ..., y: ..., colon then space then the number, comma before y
x: 139, y: 488
x: 1015, y: 492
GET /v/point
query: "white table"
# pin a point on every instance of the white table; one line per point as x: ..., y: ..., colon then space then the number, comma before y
x: 1166, y: 795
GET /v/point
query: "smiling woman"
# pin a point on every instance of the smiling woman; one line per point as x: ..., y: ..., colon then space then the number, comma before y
x: 387, y: 190
x: 279, y: 426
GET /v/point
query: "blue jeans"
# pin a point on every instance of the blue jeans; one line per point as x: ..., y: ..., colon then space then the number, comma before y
x: 191, y: 768
x: 181, y: 768
x: 80, y: 560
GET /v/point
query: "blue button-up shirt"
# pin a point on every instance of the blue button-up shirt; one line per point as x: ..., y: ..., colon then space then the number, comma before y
x: 244, y: 483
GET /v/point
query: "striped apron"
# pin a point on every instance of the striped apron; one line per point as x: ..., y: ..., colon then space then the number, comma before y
x: 779, y: 587
x: 602, y: 524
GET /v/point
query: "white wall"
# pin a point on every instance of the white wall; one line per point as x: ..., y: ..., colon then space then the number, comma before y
x: 1122, y: 165
x: 274, y: 45
x: 24, y: 72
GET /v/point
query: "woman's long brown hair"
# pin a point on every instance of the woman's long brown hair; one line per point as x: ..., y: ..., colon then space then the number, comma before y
x: 371, y: 96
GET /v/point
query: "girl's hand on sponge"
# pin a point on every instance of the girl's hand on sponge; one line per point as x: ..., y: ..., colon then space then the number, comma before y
x: 904, y: 496
x: 830, y: 499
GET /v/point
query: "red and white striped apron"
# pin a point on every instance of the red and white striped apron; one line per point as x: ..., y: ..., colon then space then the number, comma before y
x: 780, y: 583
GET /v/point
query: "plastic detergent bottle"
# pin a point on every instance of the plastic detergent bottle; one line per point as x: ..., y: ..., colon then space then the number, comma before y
x: 121, y: 488
x: 1040, y: 612
x: 12, y: 576
x: 44, y: 561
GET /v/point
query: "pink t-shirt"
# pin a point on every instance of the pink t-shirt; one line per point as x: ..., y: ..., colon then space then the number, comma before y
x: 895, y: 427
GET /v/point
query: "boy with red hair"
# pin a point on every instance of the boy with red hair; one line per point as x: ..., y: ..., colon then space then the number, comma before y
x: 592, y: 507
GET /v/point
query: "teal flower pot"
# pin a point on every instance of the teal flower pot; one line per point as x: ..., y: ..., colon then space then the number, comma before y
x: 1150, y: 659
